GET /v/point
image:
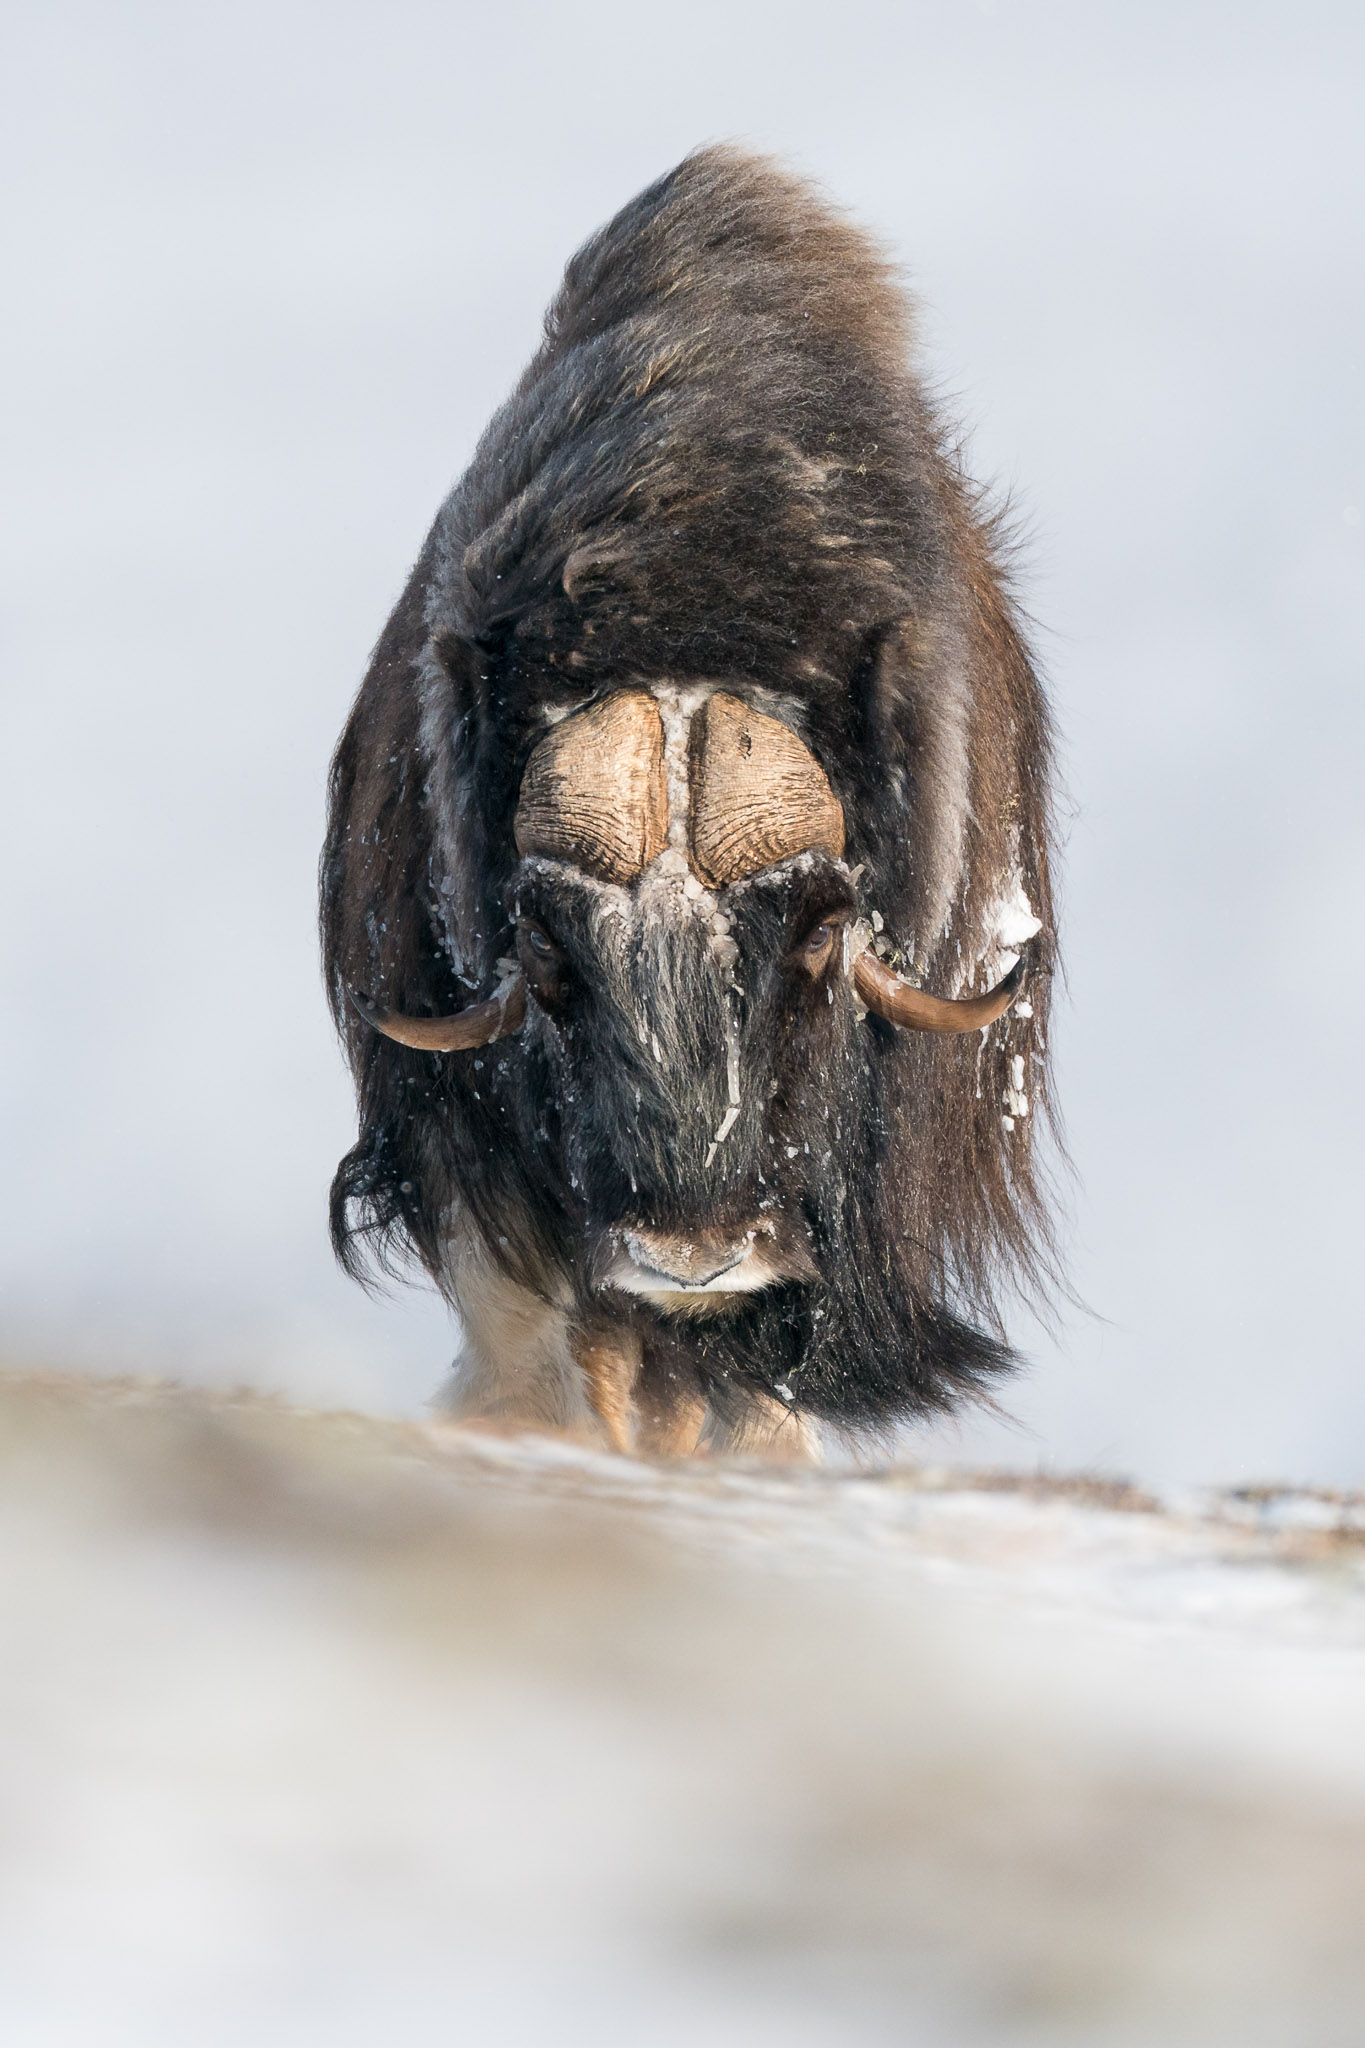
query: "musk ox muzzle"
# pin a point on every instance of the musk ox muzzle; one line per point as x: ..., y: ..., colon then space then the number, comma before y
x: 698, y: 1271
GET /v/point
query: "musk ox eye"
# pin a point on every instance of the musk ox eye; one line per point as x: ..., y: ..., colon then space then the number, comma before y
x: 817, y: 946
x: 541, y: 959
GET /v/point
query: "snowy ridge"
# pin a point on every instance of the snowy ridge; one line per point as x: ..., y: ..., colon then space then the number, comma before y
x: 317, y: 1726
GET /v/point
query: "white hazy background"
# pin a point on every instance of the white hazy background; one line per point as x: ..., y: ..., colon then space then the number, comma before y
x: 268, y: 268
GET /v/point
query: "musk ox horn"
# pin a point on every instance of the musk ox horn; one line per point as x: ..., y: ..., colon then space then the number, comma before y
x: 894, y: 999
x: 480, y: 1024
x: 758, y: 794
x: 594, y: 790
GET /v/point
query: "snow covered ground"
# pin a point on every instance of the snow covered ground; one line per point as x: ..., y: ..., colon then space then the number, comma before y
x: 323, y: 1728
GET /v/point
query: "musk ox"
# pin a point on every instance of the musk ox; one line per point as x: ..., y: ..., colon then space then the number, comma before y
x: 688, y: 851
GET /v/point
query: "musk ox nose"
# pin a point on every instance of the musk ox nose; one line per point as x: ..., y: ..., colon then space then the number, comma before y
x: 691, y: 1259
x: 700, y: 1269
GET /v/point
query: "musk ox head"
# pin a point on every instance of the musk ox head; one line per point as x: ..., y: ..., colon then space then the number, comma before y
x: 690, y: 969
x: 688, y: 829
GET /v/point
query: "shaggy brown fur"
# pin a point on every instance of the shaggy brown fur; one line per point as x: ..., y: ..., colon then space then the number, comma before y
x: 719, y: 465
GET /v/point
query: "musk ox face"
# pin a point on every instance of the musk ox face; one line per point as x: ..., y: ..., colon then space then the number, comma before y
x: 682, y: 915
x: 688, y: 983
x: 679, y: 1026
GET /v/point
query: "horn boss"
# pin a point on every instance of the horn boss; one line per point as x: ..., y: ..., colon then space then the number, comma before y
x: 595, y: 794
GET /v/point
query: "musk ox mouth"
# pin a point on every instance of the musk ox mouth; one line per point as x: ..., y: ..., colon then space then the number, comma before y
x: 698, y: 1270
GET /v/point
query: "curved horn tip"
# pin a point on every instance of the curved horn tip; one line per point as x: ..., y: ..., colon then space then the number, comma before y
x: 480, y: 1024
x: 913, y: 1008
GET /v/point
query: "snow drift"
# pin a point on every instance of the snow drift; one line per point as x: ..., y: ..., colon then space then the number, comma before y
x: 322, y: 1728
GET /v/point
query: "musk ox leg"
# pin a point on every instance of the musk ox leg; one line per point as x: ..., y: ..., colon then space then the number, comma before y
x: 670, y: 1401
x: 762, y: 1428
x: 655, y: 1414
x: 516, y: 1369
x: 670, y: 1412
x: 609, y: 1360
x: 672, y: 1429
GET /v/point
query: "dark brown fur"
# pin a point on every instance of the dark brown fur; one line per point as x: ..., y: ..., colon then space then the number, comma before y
x: 719, y: 465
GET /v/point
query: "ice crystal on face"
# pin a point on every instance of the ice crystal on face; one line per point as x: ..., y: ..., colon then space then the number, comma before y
x: 1009, y: 924
x: 1018, y: 927
x: 1015, y: 922
x: 732, y: 1088
x: 677, y: 705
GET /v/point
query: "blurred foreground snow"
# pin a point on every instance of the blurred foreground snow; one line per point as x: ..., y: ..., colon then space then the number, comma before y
x: 321, y: 1728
